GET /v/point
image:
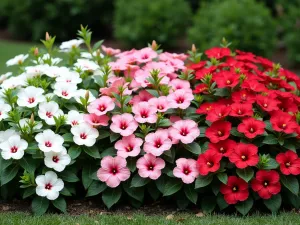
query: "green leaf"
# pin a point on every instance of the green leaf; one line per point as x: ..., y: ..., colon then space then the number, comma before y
x: 86, y: 176
x: 39, y: 205
x: 29, y: 164
x: 96, y: 188
x: 290, y: 145
x: 153, y: 191
x: 164, y: 123
x: 234, y: 132
x: 69, y: 176
x: 273, y: 203
x: 93, y: 152
x: 268, y: 125
x: 60, y: 203
x: 271, y: 164
x: 222, y: 177
x: 136, y: 193
x: 28, y: 192
x: 293, y: 199
x: 131, y: 164
x: 114, y: 137
x: 169, y: 155
x: 74, y: 152
x: 202, y: 131
x: 153, y: 92
x: 172, y: 186
x: 191, y: 193
x: 161, y: 182
x: 66, y: 192
x: 246, y: 174
x: 109, y: 152
x: 222, y: 92
x: 245, y: 206
x: 291, y: 183
x: 9, y: 173
x: 111, y: 196
x: 97, y: 45
x: 203, y: 181
x: 208, y: 204
x: 193, y: 148
x: 221, y: 202
x: 4, y: 164
x: 103, y: 134
x: 138, y: 181
x: 270, y: 140
x: 68, y: 137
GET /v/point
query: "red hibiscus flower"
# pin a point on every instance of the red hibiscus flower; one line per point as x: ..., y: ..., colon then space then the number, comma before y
x: 226, y: 79
x: 253, y: 85
x: 251, y: 127
x: 244, y: 155
x: 224, y: 147
x: 283, y: 122
x: 200, y: 88
x: 266, y: 183
x: 218, y: 131
x: 217, y: 52
x: 208, y: 162
x: 197, y: 66
x: 218, y: 113
x: 241, y: 110
x: 287, y: 105
x: 243, y: 96
x: 267, y: 64
x: 235, y: 190
x: 204, y: 71
x: 289, y: 163
x: 266, y: 103
x: 205, y: 108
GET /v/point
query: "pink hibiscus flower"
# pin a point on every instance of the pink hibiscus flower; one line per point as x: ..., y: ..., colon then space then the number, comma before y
x: 185, y: 130
x: 186, y: 169
x: 101, y: 106
x: 113, y: 170
x: 129, y: 146
x: 150, y: 166
x: 123, y: 124
x: 158, y: 142
x: 144, y: 113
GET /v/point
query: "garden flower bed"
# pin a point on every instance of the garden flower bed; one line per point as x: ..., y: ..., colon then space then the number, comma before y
x: 218, y: 130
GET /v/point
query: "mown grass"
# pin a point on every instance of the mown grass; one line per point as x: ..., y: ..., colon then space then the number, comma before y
x: 286, y: 218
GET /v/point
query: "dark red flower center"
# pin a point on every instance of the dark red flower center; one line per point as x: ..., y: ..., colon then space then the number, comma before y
x: 14, y: 149
x: 48, y: 186
x: 48, y: 144
x: 83, y: 135
x: 180, y: 100
x: 49, y: 114
x: 31, y: 100
x: 184, y: 131
x: 55, y: 159
x: 288, y: 164
x: 129, y: 148
x: 210, y: 164
x: 244, y: 158
x: 160, y: 107
x: 114, y: 171
x: 186, y: 170
x: 64, y: 93
x: 101, y: 108
x: 158, y: 143
x: 123, y: 125
x: 252, y: 130
x: 144, y: 113
x: 235, y: 189
x: 283, y: 126
x: 220, y: 133
x: 222, y: 150
x: 266, y: 183
x: 151, y: 167
x: 74, y: 122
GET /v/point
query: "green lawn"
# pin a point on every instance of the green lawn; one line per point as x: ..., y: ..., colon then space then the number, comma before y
x: 10, y: 49
x: 141, y: 219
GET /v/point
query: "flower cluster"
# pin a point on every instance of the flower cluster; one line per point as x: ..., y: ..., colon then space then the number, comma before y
x: 220, y: 131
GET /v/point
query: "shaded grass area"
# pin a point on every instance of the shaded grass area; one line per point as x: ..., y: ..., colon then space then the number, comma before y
x: 9, y: 50
x: 138, y: 218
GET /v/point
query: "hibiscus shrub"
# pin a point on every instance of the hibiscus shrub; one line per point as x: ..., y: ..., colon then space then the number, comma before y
x: 221, y: 133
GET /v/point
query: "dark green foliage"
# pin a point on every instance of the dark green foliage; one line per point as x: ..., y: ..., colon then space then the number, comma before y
x: 137, y: 23
x: 248, y: 24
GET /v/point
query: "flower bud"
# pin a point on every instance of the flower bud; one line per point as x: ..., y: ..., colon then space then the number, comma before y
x: 194, y: 49
x: 47, y: 36
x: 36, y: 52
x: 154, y: 45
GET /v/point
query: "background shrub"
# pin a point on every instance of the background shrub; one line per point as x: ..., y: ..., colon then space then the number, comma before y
x: 248, y: 24
x: 139, y: 22
x: 289, y: 17
x: 30, y: 19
